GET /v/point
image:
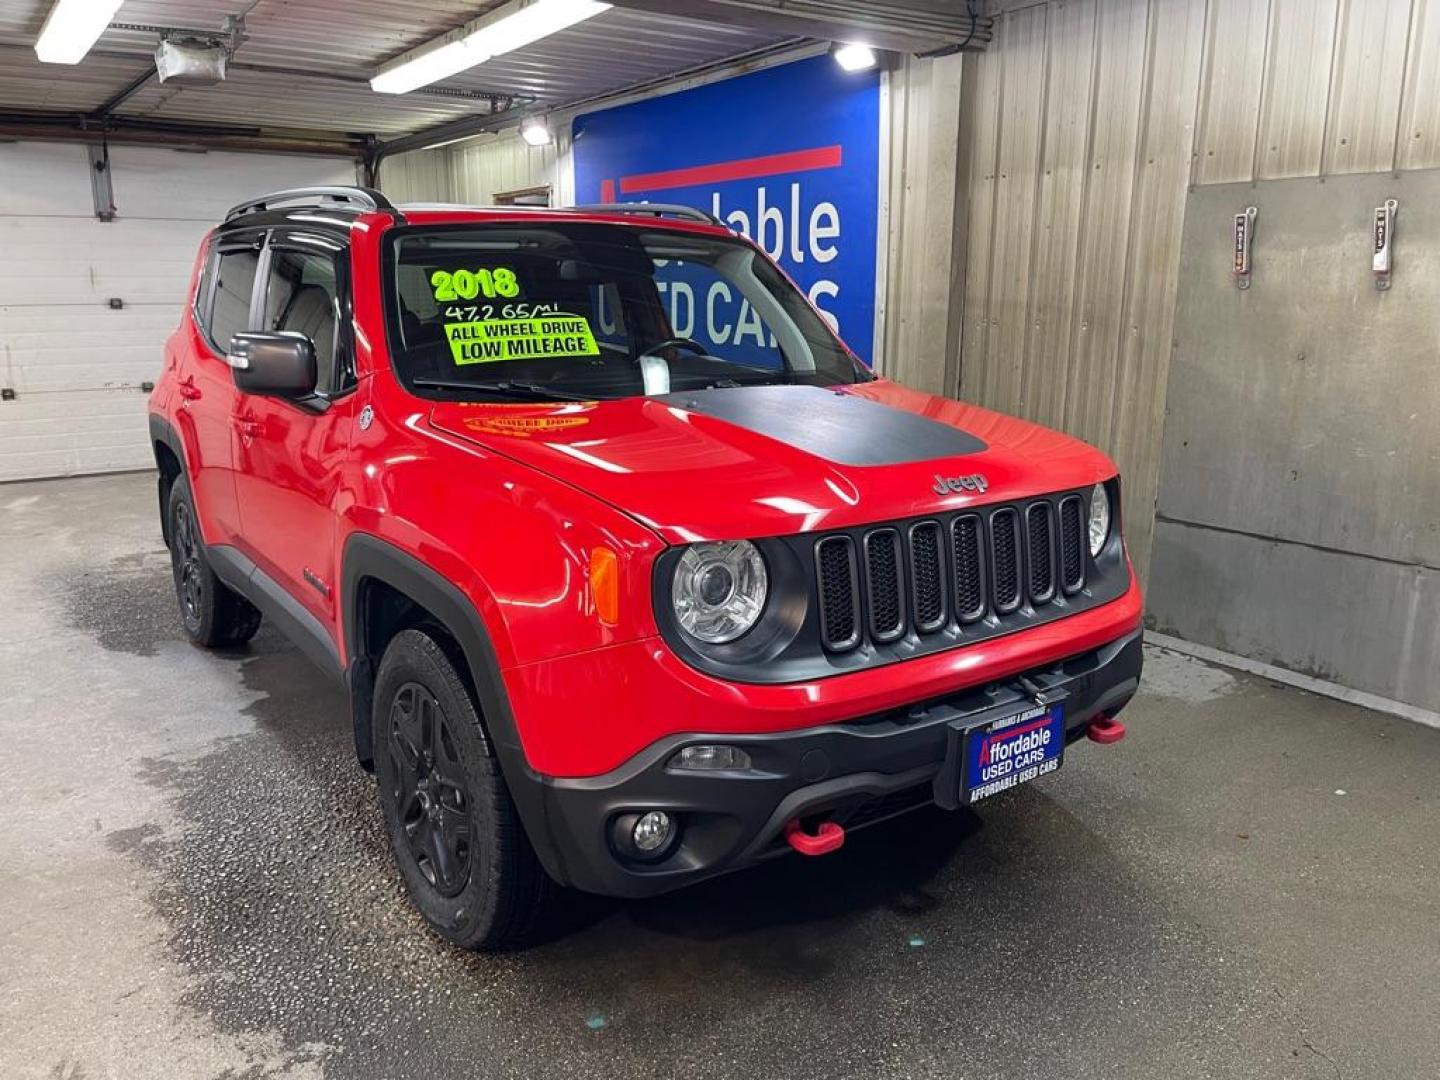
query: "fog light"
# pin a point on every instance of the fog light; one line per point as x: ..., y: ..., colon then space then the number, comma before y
x: 710, y: 758
x: 652, y: 831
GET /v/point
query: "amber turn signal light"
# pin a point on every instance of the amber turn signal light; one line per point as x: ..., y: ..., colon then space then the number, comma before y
x: 605, y: 584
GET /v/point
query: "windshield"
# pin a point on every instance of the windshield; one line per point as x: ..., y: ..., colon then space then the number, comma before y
x: 581, y: 309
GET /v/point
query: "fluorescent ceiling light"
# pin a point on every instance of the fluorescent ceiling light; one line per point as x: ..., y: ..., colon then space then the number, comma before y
x: 449, y: 142
x: 425, y: 68
x: 536, y: 132
x: 72, y: 28
x: 511, y: 27
x: 530, y: 24
x: 854, y: 57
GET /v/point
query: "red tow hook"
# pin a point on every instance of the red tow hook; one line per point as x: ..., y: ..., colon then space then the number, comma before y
x: 829, y: 837
x: 1105, y: 730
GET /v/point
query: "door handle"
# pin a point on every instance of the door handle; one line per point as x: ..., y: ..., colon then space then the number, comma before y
x: 188, y: 390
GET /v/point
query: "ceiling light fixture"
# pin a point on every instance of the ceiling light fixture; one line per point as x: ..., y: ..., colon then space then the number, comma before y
x: 72, y: 28
x: 530, y: 23
x: 424, y: 68
x: 536, y: 132
x: 854, y: 57
x: 503, y: 30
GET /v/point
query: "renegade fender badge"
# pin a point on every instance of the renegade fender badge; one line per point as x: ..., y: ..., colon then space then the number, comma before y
x: 946, y: 485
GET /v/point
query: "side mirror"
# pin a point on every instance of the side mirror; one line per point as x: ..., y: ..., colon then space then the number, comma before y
x: 280, y: 365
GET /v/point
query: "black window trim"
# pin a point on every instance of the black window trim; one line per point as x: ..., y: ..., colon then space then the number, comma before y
x: 227, y: 244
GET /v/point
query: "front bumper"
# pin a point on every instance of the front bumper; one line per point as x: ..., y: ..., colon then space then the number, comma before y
x: 856, y: 773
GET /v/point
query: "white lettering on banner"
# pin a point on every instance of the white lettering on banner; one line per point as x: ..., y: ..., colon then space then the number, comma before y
x: 825, y: 288
x: 780, y: 234
x: 680, y: 291
x: 748, y: 324
x: 765, y: 216
x: 824, y: 232
x: 796, y: 253
x: 773, y: 230
x: 718, y: 331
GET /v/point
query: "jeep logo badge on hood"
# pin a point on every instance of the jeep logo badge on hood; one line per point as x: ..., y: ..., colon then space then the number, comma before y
x: 945, y: 485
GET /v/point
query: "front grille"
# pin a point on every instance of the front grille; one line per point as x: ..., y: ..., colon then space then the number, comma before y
x: 882, y: 583
x: 927, y: 576
x: 1072, y: 544
x: 1040, y: 553
x: 965, y: 536
x: 1005, y: 559
x: 839, y: 596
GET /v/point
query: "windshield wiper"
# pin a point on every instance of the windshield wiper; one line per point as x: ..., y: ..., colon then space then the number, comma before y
x: 508, y: 388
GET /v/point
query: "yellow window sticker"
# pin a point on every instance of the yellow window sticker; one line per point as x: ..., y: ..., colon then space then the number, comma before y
x: 491, y: 340
x: 451, y: 285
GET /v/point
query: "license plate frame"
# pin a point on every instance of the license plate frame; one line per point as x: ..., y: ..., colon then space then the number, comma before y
x: 1020, y: 742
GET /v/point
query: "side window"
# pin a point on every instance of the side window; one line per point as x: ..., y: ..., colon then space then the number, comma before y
x: 302, y: 296
x: 234, y: 282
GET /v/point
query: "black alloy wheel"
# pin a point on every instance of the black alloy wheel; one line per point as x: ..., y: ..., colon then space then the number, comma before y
x: 456, y: 835
x: 188, y: 569
x: 431, y: 800
x: 212, y: 614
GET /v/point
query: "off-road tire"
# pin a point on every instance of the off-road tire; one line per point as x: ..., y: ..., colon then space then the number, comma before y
x: 212, y: 614
x: 454, y: 830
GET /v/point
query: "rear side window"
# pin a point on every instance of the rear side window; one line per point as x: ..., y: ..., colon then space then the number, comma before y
x: 235, y: 280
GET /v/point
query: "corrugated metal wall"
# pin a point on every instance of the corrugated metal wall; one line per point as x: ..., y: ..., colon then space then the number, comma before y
x: 1091, y: 119
x: 418, y: 177
x: 475, y: 171
x: 923, y: 240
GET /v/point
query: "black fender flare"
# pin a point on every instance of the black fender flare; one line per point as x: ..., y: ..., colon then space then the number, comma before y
x: 366, y: 556
x: 163, y: 433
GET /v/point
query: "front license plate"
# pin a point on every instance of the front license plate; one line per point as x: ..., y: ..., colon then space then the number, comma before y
x: 1012, y: 750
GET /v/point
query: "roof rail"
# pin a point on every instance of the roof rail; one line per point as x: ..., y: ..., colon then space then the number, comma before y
x: 356, y: 198
x: 676, y: 210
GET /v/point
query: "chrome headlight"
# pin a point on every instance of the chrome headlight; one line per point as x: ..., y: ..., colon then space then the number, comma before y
x: 719, y: 590
x: 1099, y: 518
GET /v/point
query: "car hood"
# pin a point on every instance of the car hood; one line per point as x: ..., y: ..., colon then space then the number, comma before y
x: 725, y: 464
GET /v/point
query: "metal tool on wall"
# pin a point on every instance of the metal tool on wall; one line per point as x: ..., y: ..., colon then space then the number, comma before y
x: 1384, y: 240
x: 1244, y: 235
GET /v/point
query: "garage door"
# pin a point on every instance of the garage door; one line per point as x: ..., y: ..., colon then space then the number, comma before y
x: 85, y: 305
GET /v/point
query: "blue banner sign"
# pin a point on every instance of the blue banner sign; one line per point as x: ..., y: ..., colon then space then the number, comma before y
x: 789, y: 156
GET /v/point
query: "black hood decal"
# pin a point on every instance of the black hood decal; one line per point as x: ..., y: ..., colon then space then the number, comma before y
x: 839, y: 427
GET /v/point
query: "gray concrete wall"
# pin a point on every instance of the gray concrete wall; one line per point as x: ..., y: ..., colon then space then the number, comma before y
x: 1298, y: 519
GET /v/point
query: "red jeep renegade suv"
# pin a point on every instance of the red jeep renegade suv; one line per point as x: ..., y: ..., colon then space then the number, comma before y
x: 634, y: 574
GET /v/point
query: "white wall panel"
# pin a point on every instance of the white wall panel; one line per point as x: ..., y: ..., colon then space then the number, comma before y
x: 75, y: 364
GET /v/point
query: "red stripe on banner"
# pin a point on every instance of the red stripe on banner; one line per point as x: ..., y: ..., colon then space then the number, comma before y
x: 821, y: 157
x: 607, y: 191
